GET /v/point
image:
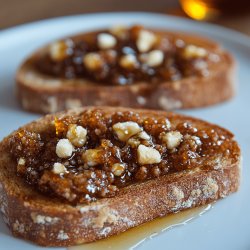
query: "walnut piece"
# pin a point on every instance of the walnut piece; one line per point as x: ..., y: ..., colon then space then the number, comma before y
x: 125, y: 130
x: 145, y: 40
x: 143, y: 135
x: 92, y: 157
x: 191, y: 51
x: 58, y: 50
x: 148, y: 155
x: 77, y: 135
x: 93, y: 61
x: 106, y: 41
x: 133, y: 142
x: 21, y: 161
x: 128, y: 61
x: 171, y: 139
x: 59, y: 168
x: 118, y: 169
x: 153, y: 59
x: 64, y: 148
x: 119, y: 31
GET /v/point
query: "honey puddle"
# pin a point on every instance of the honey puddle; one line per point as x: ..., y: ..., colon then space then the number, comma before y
x: 137, y: 235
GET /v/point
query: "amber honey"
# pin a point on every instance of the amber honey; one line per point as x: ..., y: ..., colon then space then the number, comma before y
x: 208, y: 9
x: 136, y: 236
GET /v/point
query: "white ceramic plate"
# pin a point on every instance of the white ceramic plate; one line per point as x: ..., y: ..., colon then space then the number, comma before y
x: 227, y: 225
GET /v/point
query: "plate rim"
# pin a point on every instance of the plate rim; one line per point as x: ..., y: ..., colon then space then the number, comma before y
x: 218, y: 30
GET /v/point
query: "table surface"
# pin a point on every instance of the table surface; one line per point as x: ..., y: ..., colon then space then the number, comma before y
x: 14, y: 12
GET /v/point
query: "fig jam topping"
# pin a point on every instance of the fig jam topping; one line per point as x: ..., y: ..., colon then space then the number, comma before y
x: 122, y: 56
x: 83, y: 158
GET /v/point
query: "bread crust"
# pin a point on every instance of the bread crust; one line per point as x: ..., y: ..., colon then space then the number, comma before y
x: 45, y: 94
x: 50, y: 222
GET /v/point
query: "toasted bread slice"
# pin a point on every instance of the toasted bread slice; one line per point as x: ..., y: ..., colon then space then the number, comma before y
x: 40, y: 92
x: 51, y: 221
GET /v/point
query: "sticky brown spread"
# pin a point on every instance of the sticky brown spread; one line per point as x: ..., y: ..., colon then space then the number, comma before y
x: 122, y: 56
x: 93, y: 155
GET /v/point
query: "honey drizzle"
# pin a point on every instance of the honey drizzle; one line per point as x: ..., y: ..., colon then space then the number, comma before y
x: 137, y: 235
x: 59, y: 126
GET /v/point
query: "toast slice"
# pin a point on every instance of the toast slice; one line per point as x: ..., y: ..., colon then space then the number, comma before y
x: 178, y: 71
x: 166, y: 163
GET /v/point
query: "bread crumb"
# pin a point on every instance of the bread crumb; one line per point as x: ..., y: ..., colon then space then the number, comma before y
x: 51, y: 105
x: 105, y: 231
x: 196, y: 193
x: 176, y: 194
x: 18, y: 227
x: 62, y: 235
x: 105, y: 215
x: 141, y: 100
x: 42, y: 219
x: 86, y: 208
x: 210, y: 188
x: 168, y: 103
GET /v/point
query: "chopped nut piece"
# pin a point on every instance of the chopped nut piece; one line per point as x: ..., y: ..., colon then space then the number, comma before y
x: 106, y: 41
x: 194, y: 51
x: 21, y: 161
x: 148, y: 155
x: 58, y: 50
x: 119, y: 31
x: 133, y: 142
x: 128, y: 61
x: 143, y: 135
x: 64, y: 148
x: 59, y: 168
x: 118, y: 169
x: 124, y: 130
x: 145, y: 40
x: 92, y: 157
x: 93, y: 61
x: 153, y: 59
x: 171, y: 139
x: 77, y: 135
